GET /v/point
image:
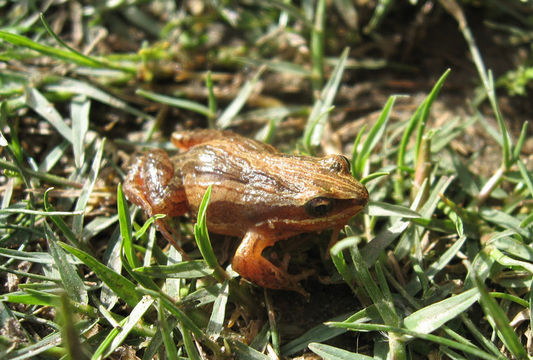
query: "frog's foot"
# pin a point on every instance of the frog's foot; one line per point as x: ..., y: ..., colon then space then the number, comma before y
x: 251, y: 265
x: 171, y: 235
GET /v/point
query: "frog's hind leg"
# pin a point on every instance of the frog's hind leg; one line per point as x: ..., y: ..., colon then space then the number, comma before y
x: 251, y: 265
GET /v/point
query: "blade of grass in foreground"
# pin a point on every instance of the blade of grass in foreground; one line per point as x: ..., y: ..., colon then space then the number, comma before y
x: 501, y: 323
x: 202, y: 239
x: 216, y: 321
x: 129, y: 322
x: 183, y: 270
x: 71, y: 337
x: 333, y: 353
x: 166, y: 334
x: 432, y: 317
x: 126, y: 229
x: 70, y: 279
x: 184, y: 319
x: 124, y: 288
x: 469, y: 349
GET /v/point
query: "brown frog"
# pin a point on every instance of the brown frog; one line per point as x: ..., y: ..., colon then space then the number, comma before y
x: 258, y: 194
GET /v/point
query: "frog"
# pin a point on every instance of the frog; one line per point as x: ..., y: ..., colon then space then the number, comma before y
x: 258, y: 194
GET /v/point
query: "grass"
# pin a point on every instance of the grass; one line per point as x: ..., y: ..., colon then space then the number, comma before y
x: 440, y: 262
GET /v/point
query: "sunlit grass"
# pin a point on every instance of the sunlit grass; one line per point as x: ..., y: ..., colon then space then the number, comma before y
x: 441, y: 256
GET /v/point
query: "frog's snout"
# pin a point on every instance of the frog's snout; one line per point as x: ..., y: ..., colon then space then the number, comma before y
x: 361, y: 199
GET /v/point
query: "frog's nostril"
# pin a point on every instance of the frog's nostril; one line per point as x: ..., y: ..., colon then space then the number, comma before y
x: 362, y: 198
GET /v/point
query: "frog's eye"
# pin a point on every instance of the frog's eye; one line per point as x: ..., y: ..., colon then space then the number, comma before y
x: 339, y: 163
x: 319, y: 206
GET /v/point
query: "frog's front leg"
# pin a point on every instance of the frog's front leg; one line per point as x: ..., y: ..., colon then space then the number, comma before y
x: 155, y: 184
x: 249, y: 262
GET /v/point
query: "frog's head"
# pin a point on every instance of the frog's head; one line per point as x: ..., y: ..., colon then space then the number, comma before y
x: 333, y: 195
x: 323, y: 194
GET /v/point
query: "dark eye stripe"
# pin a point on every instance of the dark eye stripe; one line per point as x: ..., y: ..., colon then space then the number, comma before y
x: 319, y: 206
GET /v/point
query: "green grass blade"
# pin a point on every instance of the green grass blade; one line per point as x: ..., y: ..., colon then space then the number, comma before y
x: 424, y: 115
x: 509, y: 262
x: 526, y: 175
x: 520, y: 142
x: 32, y: 297
x: 38, y: 348
x: 333, y: 353
x: 140, y: 233
x: 322, y: 332
x: 381, y: 9
x: 36, y: 101
x: 378, y: 208
x: 54, y: 156
x: 33, y: 257
x: 278, y: 66
x: 446, y: 257
x: 183, y: 270
x: 432, y: 317
x: 348, y: 11
x: 183, y: 318
x: 504, y: 220
x: 355, y: 149
x: 73, y: 55
x: 79, y: 113
x: 244, y: 352
x: 83, y: 199
x: 68, y: 56
x: 71, y: 86
x: 224, y: 120
x: 373, y: 176
x: 500, y: 321
x: 291, y: 10
x: 124, y: 220
x: 202, y: 239
x: 60, y: 223
x: 189, y: 344
x: 505, y: 241
x: 216, y: 321
x: 166, y: 333
x: 373, y: 138
x: 318, y: 116
x: 124, y: 288
x: 71, y: 337
x: 104, y: 344
x: 179, y: 103
x: 419, y: 117
x: 49, y: 178
x: 19, y: 210
x: 383, y: 303
x: 126, y: 326
x: 347, y: 272
x: 469, y: 349
x: 70, y: 279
